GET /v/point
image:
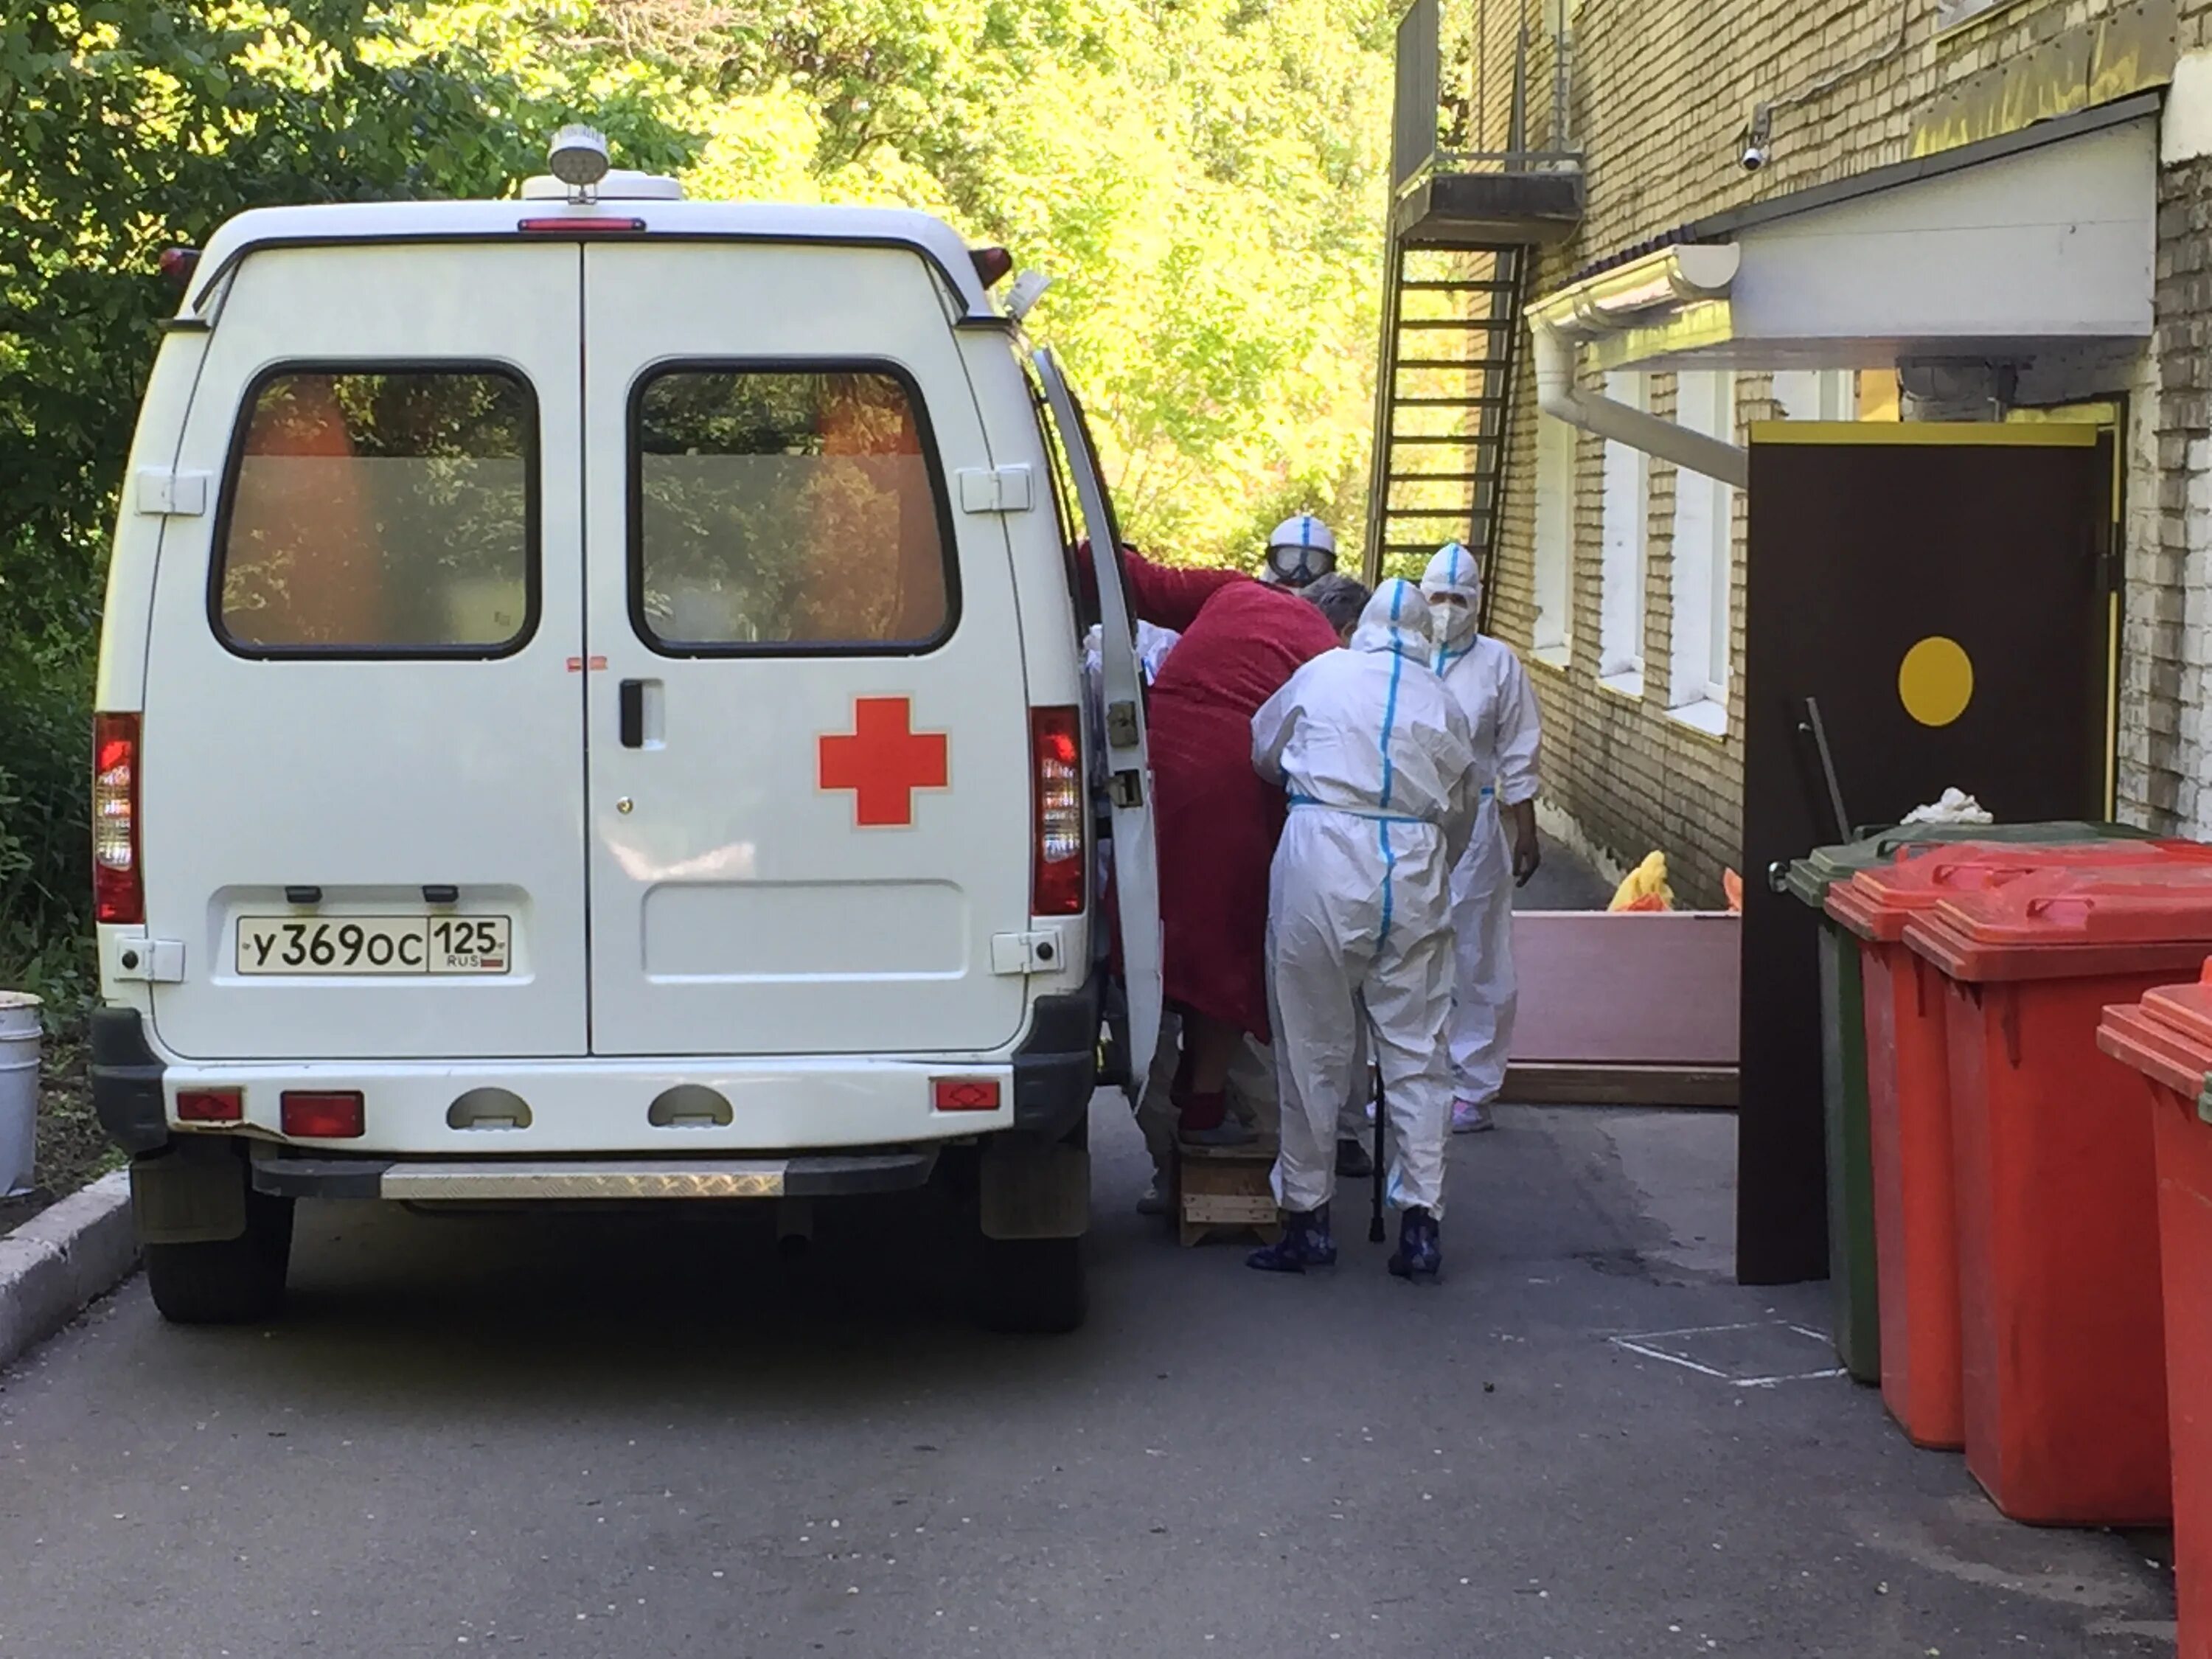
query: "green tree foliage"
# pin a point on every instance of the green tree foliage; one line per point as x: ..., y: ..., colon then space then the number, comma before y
x: 1203, y: 178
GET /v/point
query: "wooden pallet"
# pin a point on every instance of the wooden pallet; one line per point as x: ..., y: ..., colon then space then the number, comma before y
x: 1224, y: 1189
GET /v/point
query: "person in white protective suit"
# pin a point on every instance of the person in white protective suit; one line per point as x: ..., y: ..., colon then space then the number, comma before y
x: 1300, y: 552
x: 1380, y: 773
x: 1492, y: 688
x: 1252, y: 1097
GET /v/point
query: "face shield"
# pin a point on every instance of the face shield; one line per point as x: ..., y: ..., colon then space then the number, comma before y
x: 1300, y: 551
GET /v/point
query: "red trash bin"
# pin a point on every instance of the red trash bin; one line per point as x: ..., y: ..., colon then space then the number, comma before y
x: 2168, y: 1038
x: 1909, y: 1103
x: 2062, y: 1324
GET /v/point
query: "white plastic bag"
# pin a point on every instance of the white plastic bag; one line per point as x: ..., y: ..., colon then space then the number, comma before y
x: 1956, y: 807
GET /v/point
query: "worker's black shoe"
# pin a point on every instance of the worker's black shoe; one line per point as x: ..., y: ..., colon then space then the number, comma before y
x: 1352, y: 1162
x: 1305, y: 1243
x: 1420, y: 1251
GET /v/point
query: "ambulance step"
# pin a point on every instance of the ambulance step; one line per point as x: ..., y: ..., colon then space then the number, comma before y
x: 589, y: 1180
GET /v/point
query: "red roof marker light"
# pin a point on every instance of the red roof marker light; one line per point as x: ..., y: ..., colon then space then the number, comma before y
x: 991, y: 264
x: 177, y: 265
x: 579, y: 224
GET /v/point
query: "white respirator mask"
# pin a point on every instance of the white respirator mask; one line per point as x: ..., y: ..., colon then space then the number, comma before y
x: 1452, y: 624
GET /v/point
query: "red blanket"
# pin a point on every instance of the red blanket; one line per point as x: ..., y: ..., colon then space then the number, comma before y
x: 1218, y: 820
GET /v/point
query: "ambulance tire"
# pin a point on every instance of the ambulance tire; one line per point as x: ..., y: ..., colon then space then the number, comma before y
x: 1034, y: 1286
x: 235, y: 1281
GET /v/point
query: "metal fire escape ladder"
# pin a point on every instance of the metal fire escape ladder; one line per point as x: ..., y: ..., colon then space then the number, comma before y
x: 1451, y: 340
x: 1464, y: 227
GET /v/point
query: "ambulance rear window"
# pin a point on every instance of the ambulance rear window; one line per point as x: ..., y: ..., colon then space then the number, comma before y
x: 786, y: 510
x: 381, y: 513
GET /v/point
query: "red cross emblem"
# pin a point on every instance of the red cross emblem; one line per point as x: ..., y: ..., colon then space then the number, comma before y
x: 884, y: 761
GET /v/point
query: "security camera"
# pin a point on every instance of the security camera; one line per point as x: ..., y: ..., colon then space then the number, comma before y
x: 1755, y: 137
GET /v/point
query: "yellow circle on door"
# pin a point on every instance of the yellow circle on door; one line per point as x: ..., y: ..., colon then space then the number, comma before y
x: 1935, y: 682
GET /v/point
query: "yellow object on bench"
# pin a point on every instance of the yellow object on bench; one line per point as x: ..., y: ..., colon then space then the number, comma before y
x: 1646, y: 887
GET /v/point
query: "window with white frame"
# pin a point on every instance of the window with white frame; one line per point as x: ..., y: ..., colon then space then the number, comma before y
x: 1949, y: 14
x: 1555, y: 539
x: 1621, y: 601
x: 1810, y: 394
x: 1705, y: 516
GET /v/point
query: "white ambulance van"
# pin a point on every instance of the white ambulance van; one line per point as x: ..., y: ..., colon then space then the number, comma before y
x: 592, y: 710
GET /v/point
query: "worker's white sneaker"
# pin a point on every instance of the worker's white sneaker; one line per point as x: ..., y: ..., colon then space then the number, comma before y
x: 1472, y: 1117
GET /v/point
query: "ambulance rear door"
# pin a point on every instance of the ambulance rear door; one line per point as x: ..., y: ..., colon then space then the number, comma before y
x: 361, y: 784
x: 1129, y: 777
x: 808, y: 723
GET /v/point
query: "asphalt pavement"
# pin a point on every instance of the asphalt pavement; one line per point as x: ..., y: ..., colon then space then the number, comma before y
x: 634, y: 1436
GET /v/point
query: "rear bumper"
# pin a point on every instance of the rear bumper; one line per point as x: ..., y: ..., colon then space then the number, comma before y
x: 285, y: 1174
x: 127, y: 1096
x: 587, y: 1105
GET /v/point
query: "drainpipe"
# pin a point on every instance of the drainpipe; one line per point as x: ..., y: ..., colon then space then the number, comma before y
x: 1637, y: 295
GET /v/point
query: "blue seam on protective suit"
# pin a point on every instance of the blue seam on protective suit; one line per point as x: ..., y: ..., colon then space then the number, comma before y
x: 1389, y: 722
x: 1356, y: 811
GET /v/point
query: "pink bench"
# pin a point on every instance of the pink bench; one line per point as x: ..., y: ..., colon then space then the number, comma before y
x: 1638, y: 1008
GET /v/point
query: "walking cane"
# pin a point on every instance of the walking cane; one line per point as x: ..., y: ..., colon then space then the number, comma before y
x: 1375, y: 1231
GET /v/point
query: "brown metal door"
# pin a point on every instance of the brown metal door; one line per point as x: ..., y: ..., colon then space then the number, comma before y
x: 1940, y: 596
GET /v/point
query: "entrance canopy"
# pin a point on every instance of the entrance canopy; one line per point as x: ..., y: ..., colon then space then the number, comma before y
x: 2036, y: 246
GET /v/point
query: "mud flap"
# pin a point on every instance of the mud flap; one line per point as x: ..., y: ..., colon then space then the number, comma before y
x: 193, y: 1194
x: 1034, y: 1188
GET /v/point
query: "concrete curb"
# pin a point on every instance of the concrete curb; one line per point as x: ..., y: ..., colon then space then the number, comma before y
x: 61, y: 1259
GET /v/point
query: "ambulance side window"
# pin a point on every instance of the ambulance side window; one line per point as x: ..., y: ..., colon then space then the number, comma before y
x: 379, y: 513
x: 784, y: 509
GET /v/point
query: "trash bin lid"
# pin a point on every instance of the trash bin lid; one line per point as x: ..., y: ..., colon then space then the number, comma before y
x: 2066, y: 924
x: 2167, y: 1036
x: 1875, y: 903
x: 1810, y: 879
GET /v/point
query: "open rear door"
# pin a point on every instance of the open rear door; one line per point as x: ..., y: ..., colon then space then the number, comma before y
x: 1129, y: 775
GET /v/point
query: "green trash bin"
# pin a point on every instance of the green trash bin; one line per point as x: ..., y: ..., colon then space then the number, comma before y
x: 1851, y: 1269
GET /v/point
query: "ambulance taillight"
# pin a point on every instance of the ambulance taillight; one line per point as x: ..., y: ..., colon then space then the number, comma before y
x: 118, y: 887
x: 1057, y: 884
x: 321, y: 1113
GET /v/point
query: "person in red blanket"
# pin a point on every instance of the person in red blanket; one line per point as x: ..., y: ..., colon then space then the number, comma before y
x: 1216, y: 820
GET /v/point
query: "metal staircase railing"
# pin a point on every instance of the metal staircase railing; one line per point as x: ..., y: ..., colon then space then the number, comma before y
x: 1451, y: 320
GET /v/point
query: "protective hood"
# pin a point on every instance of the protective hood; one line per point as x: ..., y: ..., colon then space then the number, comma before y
x: 1454, y: 573
x: 1301, y: 550
x: 1396, y: 619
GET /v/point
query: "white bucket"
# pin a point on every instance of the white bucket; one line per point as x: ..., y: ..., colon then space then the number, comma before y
x: 19, y: 1090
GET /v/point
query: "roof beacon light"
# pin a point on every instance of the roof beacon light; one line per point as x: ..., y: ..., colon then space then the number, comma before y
x: 578, y: 159
x: 1028, y: 288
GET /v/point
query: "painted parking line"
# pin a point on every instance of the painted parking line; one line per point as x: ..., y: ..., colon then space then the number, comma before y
x: 1649, y: 1345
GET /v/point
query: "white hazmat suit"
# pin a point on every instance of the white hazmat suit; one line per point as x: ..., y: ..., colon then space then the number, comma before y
x: 1380, y: 771
x: 1491, y: 687
x: 1252, y: 1074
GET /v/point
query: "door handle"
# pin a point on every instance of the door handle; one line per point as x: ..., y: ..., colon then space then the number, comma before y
x: 633, y: 714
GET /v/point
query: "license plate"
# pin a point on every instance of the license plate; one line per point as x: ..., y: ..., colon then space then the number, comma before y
x: 349, y: 946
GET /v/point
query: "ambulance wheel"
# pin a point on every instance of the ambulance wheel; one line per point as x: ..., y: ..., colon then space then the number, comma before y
x: 232, y: 1282
x: 1034, y: 1286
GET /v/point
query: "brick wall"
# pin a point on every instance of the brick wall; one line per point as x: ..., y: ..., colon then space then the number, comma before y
x: 2167, y: 648
x: 1661, y: 92
x: 2165, y: 745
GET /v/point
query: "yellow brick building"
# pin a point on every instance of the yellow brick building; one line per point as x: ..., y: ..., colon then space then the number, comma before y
x: 1619, y: 577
